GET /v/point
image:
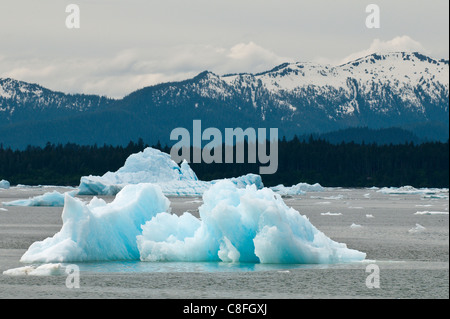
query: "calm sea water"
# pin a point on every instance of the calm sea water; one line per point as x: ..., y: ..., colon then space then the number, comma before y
x: 412, y: 265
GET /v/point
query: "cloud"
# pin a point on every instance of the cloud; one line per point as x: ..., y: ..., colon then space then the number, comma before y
x: 400, y: 43
x: 125, y: 71
x: 250, y: 57
x: 128, y: 70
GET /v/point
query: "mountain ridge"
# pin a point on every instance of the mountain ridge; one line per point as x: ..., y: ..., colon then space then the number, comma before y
x: 399, y: 89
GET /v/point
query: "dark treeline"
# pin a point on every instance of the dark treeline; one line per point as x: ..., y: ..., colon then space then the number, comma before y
x: 62, y: 164
x: 310, y: 161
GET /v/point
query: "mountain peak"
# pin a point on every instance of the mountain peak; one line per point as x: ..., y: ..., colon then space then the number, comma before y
x: 399, y: 56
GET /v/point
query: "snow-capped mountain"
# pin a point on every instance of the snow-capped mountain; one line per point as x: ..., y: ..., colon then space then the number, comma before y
x: 374, y: 78
x: 21, y: 101
x: 407, y: 90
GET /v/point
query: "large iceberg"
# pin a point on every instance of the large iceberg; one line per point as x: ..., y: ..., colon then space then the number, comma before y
x: 235, y: 225
x: 4, y: 184
x: 154, y: 166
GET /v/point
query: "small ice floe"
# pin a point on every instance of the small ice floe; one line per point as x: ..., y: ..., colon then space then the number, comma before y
x: 331, y: 214
x: 366, y: 195
x: 195, y: 201
x: 436, y: 196
x: 431, y: 213
x: 418, y: 229
x: 355, y: 226
x: 355, y: 207
x: 42, y: 270
x: 409, y: 190
x: 3, y: 209
x: 323, y: 203
x: 369, y: 216
x: 336, y: 197
x: 50, y: 199
x: 299, y: 189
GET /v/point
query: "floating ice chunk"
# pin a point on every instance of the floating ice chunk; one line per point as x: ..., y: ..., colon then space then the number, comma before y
x: 331, y: 214
x: 98, y: 231
x: 240, y: 225
x: 42, y: 270
x: 154, y: 166
x: 418, y: 229
x: 436, y: 196
x: 336, y: 197
x: 96, y: 185
x: 355, y: 226
x: 3, y: 209
x: 299, y: 189
x: 409, y: 190
x: 4, y: 184
x: 431, y: 213
x: 369, y: 216
x: 55, y: 199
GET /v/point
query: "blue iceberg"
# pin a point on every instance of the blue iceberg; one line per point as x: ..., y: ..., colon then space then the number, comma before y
x: 99, y: 231
x: 4, y: 184
x: 235, y: 225
x: 154, y: 166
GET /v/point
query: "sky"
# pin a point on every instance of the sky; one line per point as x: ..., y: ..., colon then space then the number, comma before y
x: 124, y: 45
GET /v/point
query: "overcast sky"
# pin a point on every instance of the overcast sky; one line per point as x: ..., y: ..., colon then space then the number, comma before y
x: 124, y: 45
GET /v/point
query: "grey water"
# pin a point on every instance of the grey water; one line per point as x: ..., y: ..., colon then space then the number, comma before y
x: 411, y: 264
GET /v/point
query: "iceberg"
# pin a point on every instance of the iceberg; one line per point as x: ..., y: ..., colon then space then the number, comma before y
x: 409, y: 190
x: 299, y: 189
x: 154, y: 166
x: 240, y: 225
x: 98, y: 231
x: 55, y: 199
x: 235, y: 225
x: 4, y: 184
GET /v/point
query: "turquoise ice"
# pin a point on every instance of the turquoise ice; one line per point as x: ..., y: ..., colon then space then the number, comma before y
x: 248, y: 225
